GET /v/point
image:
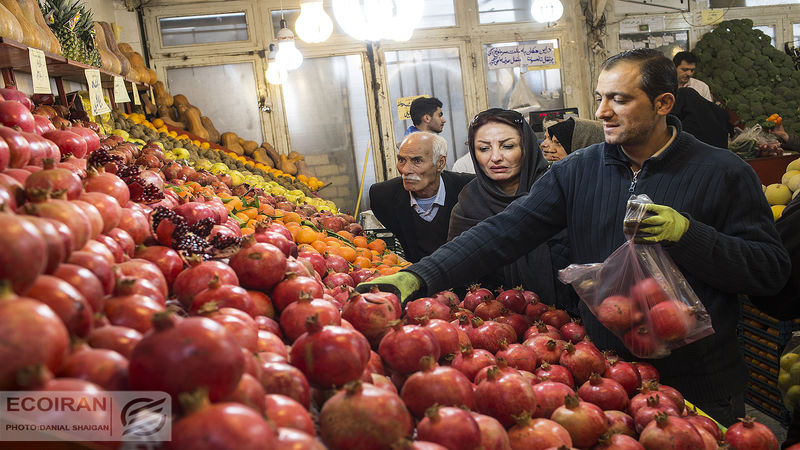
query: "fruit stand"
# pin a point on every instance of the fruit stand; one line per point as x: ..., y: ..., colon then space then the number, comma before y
x: 144, y: 251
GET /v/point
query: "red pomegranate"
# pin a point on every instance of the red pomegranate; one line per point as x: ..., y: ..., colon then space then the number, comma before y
x: 542, y: 328
x: 283, y: 411
x: 619, y: 313
x: 196, y: 278
x: 538, y: 434
x: 143, y: 268
x: 85, y: 282
x: 619, y: 422
x: 67, y: 302
x: 584, y: 421
x: 518, y: 356
x: 617, y: 441
x: 604, y: 392
x: 546, y: 348
x: 134, y: 311
x: 222, y: 425
x: 450, y: 427
x: 700, y: 421
x: 648, y: 293
x: 550, y: 395
x: 555, y: 317
x: 582, y: 359
x: 248, y: 392
x: 219, y: 295
x: 513, y: 299
x: 625, y: 374
x: 446, y: 334
x: 182, y: 355
x: 56, y: 249
x: 239, y: 324
x: 747, y: 434
x: 489, y: 334
x: 294, y: 316
x: 120, y: 339
x: 364, y: 416
x: 672, y: 432
x: 21, y: 237
x: 404, y: 345
x: 110, y: 184
x: 436, y: 385
x: 504, y: 396
x: 105, y: 368
x: 554, y: 372
x: 646, y: 371
x: 281, y: 378
x: 428, y: 307
x: 288, y: 291
x: 672, y: 320
x: 166, y: 259
x: 475, y: 296
x: 573, y: 331
x: 493, y: 434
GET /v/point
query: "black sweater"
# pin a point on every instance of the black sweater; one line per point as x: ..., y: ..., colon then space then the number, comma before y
x: 731, y: 245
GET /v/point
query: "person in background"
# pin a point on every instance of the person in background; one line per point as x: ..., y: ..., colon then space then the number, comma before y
x: 563, y: 138
x: 686, y: 64
x: 505, y: 151
x: 464, y: 164
x: 791, y: 143
x: 416, y: 205
x: 709, y: 214
x: 426, y: 115
x: 701, y: 118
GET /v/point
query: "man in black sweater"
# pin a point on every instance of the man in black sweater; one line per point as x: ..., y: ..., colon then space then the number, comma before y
x: 416, y: 206
x: 710, y: 214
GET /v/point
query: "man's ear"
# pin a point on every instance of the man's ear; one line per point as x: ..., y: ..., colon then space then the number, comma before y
x: 441, y: 163
x: 427, y: 118
x: 664, y: 103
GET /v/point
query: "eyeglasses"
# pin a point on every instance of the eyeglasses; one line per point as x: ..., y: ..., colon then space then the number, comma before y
x: 507, y: 114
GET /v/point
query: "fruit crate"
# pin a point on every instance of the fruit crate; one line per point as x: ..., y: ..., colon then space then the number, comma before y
x: 762, y: 339
x: 392, y: 243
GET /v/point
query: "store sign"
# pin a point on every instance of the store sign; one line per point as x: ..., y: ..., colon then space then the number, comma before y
x: 41, y: 80
x: 120, y: 91
x: 529, y: 56
x: 711, y: 16
x: 96, y: 100
x: 136, y: 99
x: 404, y: 106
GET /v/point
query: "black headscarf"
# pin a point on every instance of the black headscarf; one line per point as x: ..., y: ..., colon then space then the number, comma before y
x: 482, y: 198
x: 563, y: 132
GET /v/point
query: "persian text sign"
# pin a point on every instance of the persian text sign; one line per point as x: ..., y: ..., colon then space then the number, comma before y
x: 527, y: 55
x: 143, y: 416
x: 404, y: 106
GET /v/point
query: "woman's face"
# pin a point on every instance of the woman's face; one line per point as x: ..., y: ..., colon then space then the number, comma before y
x: 552, y: 149
x: 498, y: 149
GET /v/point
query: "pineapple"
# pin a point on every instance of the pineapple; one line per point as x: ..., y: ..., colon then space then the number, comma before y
x: 72, y: 24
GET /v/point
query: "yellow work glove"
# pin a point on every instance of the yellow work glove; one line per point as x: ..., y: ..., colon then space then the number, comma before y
x: 402, y: 284
x: 665, y: 224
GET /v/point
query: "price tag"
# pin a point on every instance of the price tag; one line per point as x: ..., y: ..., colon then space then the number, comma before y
x: 136, y: 99
x: 711, y: 16
x: 97, y: 103
x: 152, y: 97
x: 41, y: 80
x: 120, y: 92
x: 404, y: 106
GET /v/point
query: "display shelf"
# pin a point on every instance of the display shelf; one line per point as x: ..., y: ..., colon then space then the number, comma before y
x: 771, y: 169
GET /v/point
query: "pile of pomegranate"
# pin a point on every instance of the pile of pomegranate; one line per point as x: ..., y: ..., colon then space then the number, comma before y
x: 111, y: 283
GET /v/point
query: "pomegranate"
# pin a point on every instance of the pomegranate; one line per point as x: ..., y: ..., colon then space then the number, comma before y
x: 110, y: 184
x: 501, y: 364
x: 124, y: 240
x: 105, y: 368
x: 33, y: 336
x: 315, y: 259
x: 286, y: 412
x: 445, y: 333
x: 709, y: 441
x: 475, y: 296
x: 470, y: 361
x: 450, y: 427
x: 648, y: 293
x: 120, y: 339
x: 489, y: 334
x: 222, y: 425
x: 329, y: 355
x: 584, y: 421
x: 518, y: 322
x: 259, y: 266
x: 518, y: 356
x: 248, y: 392
x: 276, y: 239
x: 334, y: 279
x: 138, y: 286
x: 270, y: 342
x: 493, y: 434
x: 67, y: 302
x: 21, y: 237
x: 749, y: 434
x: 98, y: 265
x: 291, y: 439
x: 134, y: 311
x: 15, y: 114
x: 538, y: 434
x: 625, y: 374
x: 55, y: 249
x: 642, y: 342
x: 288, y: 291
x: 182, y: 355
x: 114, y: 247
x: 489, y: 309
x: 504, y: 396
x: 100, y: 249
x: 241, y: 326
x: 85, y: 282
x: 364, y: 416
x: 11, y: 93
x: 447, y: 298
x: 89, y: 136
x: 403, y: 346
x: 54, y: 180
x: 672, y: 320
x: 672, y: 432
x: 195, y: 279
x: 573, y: 331
x: 643, y: 415
x: 554, y: 372
x: 619, y: 422
x: 513, y: 299
x: 604, y: 392
x: 542, y: 328
x: 168, y: 261
x: 68, y: 143
x: 547, y: 349
x: 262, y: 304
x: 219, y: 295
x: 281, y: 378
x: 555, y: 317
x: 295, y: 315
x: 436, y: 385
x: 646, y: 371
x: 426, y: 307
x: 549, y: 396
x: 618, y: 313
x: 136, y: 224
x: 649, y: 398
x: 617, y: 441
x: 669, y: 392
x: 144, y: 268
x: 700, y: 421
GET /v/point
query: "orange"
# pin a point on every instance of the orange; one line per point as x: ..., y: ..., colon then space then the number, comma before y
x: 348, y: 253
x: 307, y: 247
x: 362, y: 262
x: 306, y: 235
x: 360, y: 241
x: 250, y: 212
x: 266, y: 208
x: 378, y: 245
x: 321, y: 236
x: 389, y: 258
x: 346, y: 235
x: 333, y: 244
x: 292, y: 216
x: 364, y: 252
x: 247, y: 231
x: 319, y: 245
x: 242, y: 216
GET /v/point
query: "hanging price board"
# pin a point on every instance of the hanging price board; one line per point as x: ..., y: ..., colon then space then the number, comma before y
x: 120, y: 92
x: 41, y: 80
x: 136, y: 99
x: 97, y: 103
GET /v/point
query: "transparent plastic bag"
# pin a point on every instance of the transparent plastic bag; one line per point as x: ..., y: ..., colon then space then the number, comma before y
x: 639, y: 294
x: 789, y: 375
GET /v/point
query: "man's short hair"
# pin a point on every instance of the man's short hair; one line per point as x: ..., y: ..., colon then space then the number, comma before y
x: 657, y: 72
x: 421, y: 106
x: 684, y: 56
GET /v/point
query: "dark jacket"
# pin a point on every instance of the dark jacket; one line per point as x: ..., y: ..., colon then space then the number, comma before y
x: 701, y: 118
x: 730, y: 247
x: 391, y: 204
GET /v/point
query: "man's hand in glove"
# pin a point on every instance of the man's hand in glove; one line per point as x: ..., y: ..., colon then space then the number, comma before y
x: 663, y: 225
x: 402, y: 284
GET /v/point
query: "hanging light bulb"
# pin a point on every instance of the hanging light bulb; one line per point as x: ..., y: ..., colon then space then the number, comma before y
x: 275, y: 73
x: 313, y: 25
x: 289, y: 57
x: 373, y: 20
x: 545, y: 11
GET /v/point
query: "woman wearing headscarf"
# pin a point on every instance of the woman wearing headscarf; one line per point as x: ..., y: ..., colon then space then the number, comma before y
x: 507, y: 159
x: 569, y: 135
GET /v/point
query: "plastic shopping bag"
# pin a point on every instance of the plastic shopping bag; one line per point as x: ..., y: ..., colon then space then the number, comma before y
x: 640, y: 295
x: 789, y: 375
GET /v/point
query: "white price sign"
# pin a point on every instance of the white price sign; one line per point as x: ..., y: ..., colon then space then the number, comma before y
x: 136, y: 99
x: 120, y: 92
x: 41, y: 80
x: 96, y: 100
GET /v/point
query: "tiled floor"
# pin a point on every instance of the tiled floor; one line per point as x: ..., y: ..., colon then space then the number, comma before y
x: 774, y: 425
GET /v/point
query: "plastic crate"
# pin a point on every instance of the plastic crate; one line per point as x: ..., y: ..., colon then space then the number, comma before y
x: 392, y: 243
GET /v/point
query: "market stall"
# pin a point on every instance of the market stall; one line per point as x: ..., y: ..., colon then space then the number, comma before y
x: 176, y: 279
